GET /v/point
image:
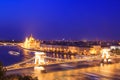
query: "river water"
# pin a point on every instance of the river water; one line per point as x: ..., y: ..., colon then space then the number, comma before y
x: 101, y: 72
x: 106, y: 72
x: 7, y: 59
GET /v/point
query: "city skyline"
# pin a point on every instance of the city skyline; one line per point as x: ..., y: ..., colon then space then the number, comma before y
x: 59, y: 39
x: 55, y: 20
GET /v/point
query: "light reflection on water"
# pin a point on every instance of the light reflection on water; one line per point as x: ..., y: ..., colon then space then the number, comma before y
x: 26, y: 54
x: 106, y: 72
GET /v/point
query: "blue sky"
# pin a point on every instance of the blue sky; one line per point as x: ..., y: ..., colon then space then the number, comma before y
x: 57, y: 19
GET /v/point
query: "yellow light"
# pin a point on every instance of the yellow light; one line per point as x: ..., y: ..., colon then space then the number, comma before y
x: 93, y: 51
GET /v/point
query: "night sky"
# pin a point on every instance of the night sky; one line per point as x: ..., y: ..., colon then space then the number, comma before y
x: 58, y: 19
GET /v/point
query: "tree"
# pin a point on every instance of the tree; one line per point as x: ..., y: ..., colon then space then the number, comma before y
x: 2, y: 72
x: 13, y: 76
x: 18, y: 77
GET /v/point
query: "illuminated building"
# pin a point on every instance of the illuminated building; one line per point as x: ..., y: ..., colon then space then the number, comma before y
x: 59, y: 48
x: 31, y: 43
x: 95, y: 50
x: 114, y: 47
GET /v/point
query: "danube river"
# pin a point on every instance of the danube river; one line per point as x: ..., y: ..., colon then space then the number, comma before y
x: 101, y: 72
x: 7, y: 59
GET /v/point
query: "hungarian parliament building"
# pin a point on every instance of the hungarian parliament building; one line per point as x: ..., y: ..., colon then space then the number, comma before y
x: 31, y: 43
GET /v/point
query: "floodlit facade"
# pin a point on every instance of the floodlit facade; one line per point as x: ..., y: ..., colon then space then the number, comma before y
x: 31, y: 43
x: 59, y: 48
x: 95, y: 49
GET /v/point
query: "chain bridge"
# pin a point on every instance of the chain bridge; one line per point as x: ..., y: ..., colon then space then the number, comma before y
x: 40, y: 59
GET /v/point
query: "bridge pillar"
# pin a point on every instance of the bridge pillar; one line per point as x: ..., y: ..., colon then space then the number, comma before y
x: 105, y: 55
x: 39, y: 58
x: 39, y: 61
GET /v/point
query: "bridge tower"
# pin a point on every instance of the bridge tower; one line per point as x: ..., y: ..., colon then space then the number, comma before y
x: 105, y: 55
x: 39, y: 61
x: 39, y: 58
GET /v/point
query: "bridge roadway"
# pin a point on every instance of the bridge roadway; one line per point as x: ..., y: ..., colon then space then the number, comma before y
x: 30, y: 62
x: 8, y: 44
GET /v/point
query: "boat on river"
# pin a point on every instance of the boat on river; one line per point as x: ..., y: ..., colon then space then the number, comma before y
x: 13, y: 53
